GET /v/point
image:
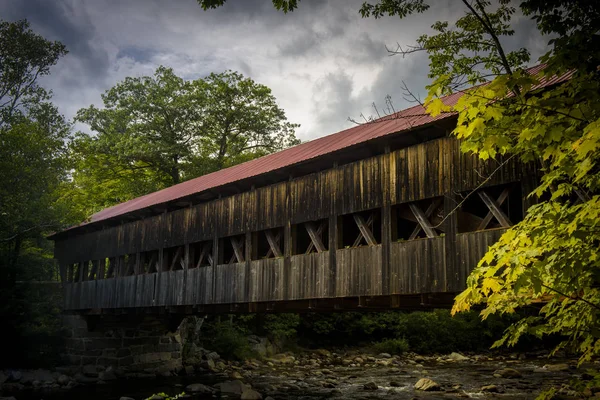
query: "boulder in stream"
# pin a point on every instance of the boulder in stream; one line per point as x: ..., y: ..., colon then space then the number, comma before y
x: 427, y: 385
x: 509, y: 373
x: 198, y: 388
x: 250, y: 394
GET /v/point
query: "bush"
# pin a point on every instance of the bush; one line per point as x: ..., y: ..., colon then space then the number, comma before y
x: 227, y: 339
x: 391, y: 346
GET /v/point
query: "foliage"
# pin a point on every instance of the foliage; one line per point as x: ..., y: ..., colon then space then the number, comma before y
x: 551, y: 258
x: 425, y: 332
x: 33, y: 170
x: 281, y: 326
x: 229, y: 339
x: 156, y: 131
x: 391, y: 346
x: 32, y: 137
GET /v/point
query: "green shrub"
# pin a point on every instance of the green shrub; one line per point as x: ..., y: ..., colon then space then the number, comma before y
x: 391, y: 346
x: 227, y: 339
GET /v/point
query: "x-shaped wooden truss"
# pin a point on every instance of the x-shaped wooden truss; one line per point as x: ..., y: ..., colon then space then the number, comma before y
x: 316, y: 236
x: 495, y: 211
x: 365, y: 228
x: 238, y: 249
x: 205, y: 253
x: 426, y: 220
x: 274, y: 240
x: 178, y: 259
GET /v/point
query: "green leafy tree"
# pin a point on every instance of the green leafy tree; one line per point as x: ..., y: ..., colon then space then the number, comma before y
x: 157, y: 131
x: 32, y: 138
x: 33, y: 169
x: 551, y: 257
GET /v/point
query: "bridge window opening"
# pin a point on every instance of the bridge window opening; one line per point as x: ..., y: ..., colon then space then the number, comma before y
x: 92, y: 270
x: 110, y: 267
x: 73, y: 272
x: 417, y: 220
x: 174, y: 258
x: 267, y: 244
x: 360, y: 229
x: 201, y: 254
x: 127, y: 267
x: 310, y: 237
x: 233, y: 249
x: 148, y: 262
x: 490, y: 208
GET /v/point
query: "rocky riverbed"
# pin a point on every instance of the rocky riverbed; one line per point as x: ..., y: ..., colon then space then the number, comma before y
x: 317, y: 374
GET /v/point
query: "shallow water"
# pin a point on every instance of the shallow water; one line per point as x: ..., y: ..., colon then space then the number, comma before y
x: 307, y: 381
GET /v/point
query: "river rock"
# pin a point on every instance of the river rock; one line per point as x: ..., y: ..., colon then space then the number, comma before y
x: 213, y: 355
x: 323, y: 352
x: 284, y: 358
x: 384, y: 355
x: 126, y: 398
x: 556, y: 367
x: 208, y: 365
x: 108, y: 375
x: 359, y: 360
x: 90, y: 371
x: 509, y: 373
x: 370, y: 386
x: 63, y: 380
x: 250, y: 394
x: 234, y: 387
x: 14, y: 376
x: 235, y: 375
x: 457, y: 357
x: 490, y: 389
x: 198, y: 388
x: 427, y: 385
x: 395, y: 384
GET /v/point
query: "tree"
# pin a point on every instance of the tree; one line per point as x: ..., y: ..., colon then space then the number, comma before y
x: 157, y: 131
x: 550, y: 259
x: 32, y: 137
x: 33, y: 168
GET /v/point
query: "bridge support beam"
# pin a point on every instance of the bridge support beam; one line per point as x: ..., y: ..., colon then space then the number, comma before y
x: 135, y: 343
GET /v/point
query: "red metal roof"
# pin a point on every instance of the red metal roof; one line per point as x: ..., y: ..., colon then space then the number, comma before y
x: 401, y: 121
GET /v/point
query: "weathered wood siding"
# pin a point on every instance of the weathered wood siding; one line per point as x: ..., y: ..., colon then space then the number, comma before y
x: 418, y: 266
x: 309, y: 276
x: 431, y: 169
x: 472, y: 246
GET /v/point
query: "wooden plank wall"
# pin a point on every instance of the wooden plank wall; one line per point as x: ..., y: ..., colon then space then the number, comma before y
x: 431, y: 169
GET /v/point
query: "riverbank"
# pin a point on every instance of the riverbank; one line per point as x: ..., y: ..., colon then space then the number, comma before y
x: 348, y: 373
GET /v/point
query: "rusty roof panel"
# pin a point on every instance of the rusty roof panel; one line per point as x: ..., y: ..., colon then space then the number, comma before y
x: 401, y: 121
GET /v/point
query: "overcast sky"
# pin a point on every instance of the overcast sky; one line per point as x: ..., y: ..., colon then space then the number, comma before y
x: 323, y: 62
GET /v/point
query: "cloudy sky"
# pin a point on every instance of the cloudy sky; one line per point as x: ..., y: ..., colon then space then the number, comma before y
x: 323, y: 62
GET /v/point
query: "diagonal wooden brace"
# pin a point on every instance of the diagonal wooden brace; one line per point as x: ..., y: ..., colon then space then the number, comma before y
x: 495, y: 209
x: 315, y: 237
x: 488, y: 218
x: 423, y: 221
x: 432, y: 207
x: 273, y: 244
x: 365, y: 229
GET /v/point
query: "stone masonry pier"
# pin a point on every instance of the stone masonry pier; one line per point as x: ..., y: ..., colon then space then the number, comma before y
x: 132, y: 343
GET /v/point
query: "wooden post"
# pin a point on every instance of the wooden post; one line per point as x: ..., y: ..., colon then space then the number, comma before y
x: 386, y: 240
x: 102, y: 269
x: 455, y: 277
x: 248, y: 289
x: 217, y: 257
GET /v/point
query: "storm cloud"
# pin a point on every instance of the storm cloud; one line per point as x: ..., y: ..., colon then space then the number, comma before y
x: 323, y: 62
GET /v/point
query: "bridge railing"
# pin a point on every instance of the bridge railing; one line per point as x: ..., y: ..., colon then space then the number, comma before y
x: 416, y: 266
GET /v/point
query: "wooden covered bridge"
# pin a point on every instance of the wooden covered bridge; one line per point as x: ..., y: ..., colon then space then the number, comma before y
x: 376, y: 216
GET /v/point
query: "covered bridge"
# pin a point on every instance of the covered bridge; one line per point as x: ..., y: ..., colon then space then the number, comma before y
x: 371, y: 217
